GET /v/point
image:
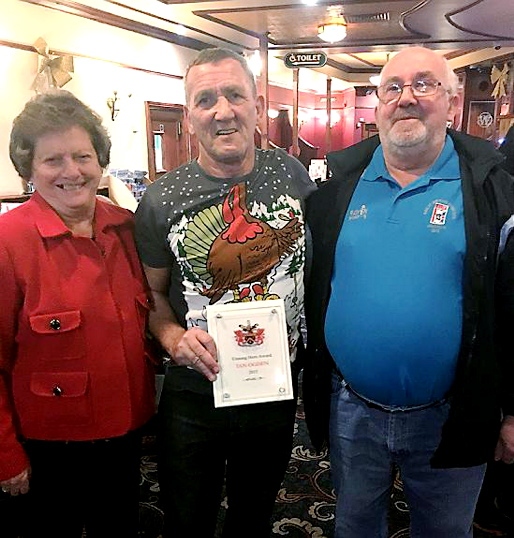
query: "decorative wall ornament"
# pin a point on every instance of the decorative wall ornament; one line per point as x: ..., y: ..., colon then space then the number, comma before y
x: 53, y: 72
x: 499, y: 78
x: 113, y: 105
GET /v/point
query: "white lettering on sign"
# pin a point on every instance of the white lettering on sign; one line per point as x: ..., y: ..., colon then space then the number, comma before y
x: 305, y: 59
x: 311, y: 58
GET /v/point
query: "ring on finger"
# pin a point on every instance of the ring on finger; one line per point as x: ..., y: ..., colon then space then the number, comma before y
x: 196, y: 360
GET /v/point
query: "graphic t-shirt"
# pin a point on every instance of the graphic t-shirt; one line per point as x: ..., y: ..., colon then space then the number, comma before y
x: 229, y: 240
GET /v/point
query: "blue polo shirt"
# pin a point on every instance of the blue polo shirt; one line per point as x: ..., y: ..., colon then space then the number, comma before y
x: 394, y: 319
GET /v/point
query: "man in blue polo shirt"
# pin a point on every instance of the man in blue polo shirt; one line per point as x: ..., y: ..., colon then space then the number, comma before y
x: 406, y: 355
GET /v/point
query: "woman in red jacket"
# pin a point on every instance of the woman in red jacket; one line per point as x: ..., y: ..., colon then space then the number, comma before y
x: 76, y: 386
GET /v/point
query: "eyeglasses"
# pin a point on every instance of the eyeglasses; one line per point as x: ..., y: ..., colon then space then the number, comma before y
x: 388, y: 93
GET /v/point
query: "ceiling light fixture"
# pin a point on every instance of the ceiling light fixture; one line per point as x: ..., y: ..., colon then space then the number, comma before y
x: 333, y: 31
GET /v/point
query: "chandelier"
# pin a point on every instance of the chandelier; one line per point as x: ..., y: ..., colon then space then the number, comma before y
x: 333, y: 31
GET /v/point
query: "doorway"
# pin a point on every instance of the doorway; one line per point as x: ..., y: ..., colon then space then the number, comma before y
x: 169, y: 142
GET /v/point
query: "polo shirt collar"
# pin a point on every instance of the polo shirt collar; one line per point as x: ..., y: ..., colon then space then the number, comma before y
x: 446, y: 166
x: 50, y: 224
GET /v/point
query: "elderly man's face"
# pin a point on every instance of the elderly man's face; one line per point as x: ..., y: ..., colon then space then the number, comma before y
x: 223, y: 113
x: 413, y: 121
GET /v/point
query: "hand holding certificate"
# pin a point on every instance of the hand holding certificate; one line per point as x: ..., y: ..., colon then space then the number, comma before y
x: 253, y: 352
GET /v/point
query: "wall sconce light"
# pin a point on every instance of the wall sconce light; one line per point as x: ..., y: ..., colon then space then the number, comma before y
x: 113, y: 105
x: 322, y: 116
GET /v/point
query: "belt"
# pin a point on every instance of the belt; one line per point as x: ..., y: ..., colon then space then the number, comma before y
x: 90, y: 442
x: 388, y: 408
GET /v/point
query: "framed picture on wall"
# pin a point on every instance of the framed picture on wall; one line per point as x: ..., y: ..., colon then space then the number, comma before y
x: 481, y: 119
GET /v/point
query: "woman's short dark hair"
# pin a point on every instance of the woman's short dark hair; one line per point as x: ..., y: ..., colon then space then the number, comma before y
x: 52, y: 112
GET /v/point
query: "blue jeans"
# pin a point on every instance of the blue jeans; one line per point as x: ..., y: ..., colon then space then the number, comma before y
x: 366, y: 444
x: 201, y: 447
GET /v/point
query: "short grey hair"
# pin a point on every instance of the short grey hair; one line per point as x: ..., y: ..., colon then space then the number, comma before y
x: 52, y: 112
x: 216, y: 55
x: 453, y: 78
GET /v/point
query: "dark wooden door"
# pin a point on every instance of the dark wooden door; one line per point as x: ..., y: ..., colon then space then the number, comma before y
x: 169, y: 143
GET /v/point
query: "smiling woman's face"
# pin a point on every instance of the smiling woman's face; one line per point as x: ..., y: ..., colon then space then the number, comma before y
x: 66, y: 172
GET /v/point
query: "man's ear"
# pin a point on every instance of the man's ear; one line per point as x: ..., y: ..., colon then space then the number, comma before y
x: 453, y: 107
x: 260, y: 105
x: 187, y: 120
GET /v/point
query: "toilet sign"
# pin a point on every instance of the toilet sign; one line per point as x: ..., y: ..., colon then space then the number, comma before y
x: 305, y: 59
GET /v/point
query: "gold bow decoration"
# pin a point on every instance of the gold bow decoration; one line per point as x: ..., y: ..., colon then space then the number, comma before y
x: 52, y: 72
x: 499, y: 79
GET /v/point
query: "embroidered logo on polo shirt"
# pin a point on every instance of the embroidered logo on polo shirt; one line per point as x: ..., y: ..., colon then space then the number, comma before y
x: 439, y: 214
x: 360, y: 213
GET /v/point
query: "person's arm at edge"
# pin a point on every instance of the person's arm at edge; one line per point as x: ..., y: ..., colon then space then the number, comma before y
x: 14, y: 466
x: 505, y: 319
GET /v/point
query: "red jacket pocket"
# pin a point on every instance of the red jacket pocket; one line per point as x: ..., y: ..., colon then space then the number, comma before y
x: 53, y: 337
x: 56, y: 400
x: 59, y: 384
x: 55, y: 322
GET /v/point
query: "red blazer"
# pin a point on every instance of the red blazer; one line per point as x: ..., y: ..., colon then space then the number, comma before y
x: 73, y: 314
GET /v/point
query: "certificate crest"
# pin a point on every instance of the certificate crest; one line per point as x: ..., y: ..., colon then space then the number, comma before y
x: 249, y: 335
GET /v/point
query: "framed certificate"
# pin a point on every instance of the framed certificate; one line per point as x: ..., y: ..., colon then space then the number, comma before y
x: 253, y: 352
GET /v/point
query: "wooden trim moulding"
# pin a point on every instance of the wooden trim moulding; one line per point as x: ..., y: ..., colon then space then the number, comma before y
x: 30, y: 48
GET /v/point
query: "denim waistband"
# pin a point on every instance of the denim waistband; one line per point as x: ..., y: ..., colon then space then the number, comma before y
x: 388, y: 408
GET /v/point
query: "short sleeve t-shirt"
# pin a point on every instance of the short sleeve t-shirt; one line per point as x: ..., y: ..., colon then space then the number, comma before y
x: 234, y: 240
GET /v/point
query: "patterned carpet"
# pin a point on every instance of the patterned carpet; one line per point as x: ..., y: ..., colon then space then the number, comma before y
x: 305, y: 504
x: 304, y: 507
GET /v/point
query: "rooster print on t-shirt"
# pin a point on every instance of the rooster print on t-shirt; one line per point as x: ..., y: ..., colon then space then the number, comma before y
x: 230, y: 252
